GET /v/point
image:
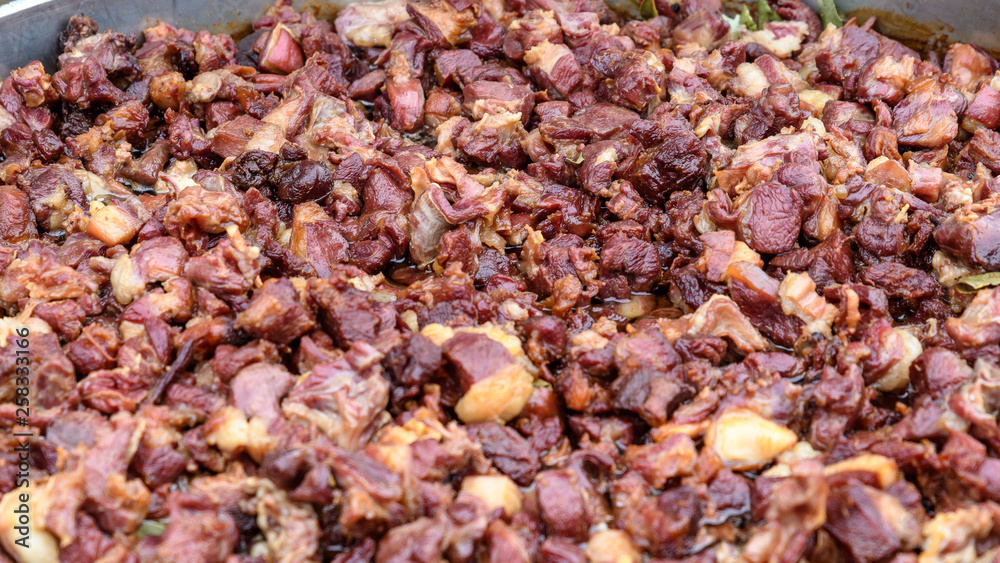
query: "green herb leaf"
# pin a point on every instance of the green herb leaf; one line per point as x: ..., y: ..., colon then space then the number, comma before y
x: 647, y: 9
x: 150, y: 528
x: 578, y: 160
x: 747, y: 20
x: 765, y: 14
x: 828, y: 13
x: 734, y: 25
x: 972, y: 284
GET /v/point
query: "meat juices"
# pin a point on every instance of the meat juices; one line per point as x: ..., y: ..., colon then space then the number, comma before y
x: 499, y: 281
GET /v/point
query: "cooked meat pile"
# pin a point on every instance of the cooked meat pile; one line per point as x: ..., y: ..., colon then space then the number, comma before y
x: 481, y: 282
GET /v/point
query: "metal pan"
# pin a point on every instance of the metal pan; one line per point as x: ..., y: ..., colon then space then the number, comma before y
x: 934, y: 23
x: 29, y: 28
